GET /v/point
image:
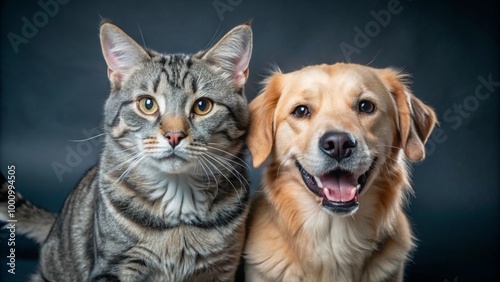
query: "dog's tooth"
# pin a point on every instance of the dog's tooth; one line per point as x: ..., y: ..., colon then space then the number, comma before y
x: 318, y: 182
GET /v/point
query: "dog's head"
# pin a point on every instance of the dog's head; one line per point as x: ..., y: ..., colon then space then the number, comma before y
x: 336, y: 126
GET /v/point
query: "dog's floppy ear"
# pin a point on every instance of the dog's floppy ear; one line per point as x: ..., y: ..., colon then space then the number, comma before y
x: 261, y: 133
x: 416, y: 119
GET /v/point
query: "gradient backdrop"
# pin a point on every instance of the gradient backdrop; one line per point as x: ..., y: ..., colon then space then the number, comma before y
x: 54, y: 84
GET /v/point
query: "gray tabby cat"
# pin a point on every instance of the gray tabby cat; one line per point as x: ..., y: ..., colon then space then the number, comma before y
x: 169, y: 197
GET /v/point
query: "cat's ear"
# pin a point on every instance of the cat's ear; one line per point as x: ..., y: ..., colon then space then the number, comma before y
x: 232, y: 53
x: 122, y: 53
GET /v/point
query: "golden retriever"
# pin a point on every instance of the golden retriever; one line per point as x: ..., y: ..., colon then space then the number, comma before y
x: 338, y: 138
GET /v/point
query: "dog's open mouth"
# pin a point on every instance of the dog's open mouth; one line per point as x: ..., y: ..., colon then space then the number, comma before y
x: 339, y: 189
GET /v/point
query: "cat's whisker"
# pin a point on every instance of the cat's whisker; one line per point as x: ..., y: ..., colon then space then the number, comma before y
x: 142, y: 35
x: 206, y: 172
x: 87, y: 139
x: 134, y: 157
x: 244, y: 165
x: 230, y: 154
x: 232, y: 171
x: 129, y: 169
x: 229, y: 167
x: 196, y: 150
x: 228, y: 162
x: 131, y: 160
x: 215, y: 178
x: 214, y: 36
x: 227, y: 178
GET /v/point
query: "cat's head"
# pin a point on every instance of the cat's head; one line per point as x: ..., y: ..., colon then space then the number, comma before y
x: 176, y: 112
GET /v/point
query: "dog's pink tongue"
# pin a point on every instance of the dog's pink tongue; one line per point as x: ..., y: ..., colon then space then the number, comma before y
x: 339, y: 188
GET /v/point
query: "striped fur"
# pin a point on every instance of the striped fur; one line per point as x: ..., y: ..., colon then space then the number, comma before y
x: 169, y: 197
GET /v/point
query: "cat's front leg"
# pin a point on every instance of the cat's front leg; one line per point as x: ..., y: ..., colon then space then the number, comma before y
x: 105, y: 277
x: 118, y: 272
x: 123, y: 277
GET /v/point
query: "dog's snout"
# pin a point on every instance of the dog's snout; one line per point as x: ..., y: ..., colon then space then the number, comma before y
x: 337, y: 145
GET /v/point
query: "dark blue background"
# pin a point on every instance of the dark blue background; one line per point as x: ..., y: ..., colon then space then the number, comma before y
x: 53, y: 87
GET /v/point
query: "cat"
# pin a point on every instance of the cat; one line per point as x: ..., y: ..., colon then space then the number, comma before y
x: 169, y: 197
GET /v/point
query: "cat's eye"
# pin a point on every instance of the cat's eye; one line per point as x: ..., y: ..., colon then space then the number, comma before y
x: 301, y: 111
x: 202, y: 106
x: 148, y: 105
x: 366, y: 107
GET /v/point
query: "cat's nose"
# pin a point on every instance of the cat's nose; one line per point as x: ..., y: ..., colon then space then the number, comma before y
x: 174, y: 137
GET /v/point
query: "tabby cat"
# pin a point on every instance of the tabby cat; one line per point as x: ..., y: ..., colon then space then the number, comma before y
x: 169, y: 197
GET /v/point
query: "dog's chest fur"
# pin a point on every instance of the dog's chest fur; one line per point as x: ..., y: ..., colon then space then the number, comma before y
x: 322, y: 246
x: 341, y: 244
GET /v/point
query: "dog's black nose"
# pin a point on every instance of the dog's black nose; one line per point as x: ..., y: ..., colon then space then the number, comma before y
x: 337, y: 145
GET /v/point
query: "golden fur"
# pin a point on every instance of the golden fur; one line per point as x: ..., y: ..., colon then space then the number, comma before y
x: 292, y: 237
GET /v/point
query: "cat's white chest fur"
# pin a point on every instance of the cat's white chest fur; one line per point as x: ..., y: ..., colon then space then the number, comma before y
x: 180, y: 199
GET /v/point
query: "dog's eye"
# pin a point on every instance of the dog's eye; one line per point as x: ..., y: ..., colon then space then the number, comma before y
x: 301, y: 111
x: 366, y: 107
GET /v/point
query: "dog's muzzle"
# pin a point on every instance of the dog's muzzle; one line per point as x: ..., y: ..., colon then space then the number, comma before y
x: 340, y: 187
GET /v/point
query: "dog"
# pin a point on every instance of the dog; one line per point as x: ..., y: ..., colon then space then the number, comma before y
x: 338, y: 139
